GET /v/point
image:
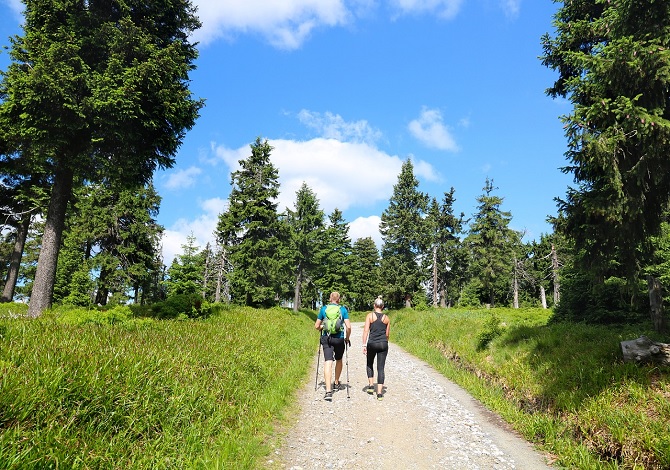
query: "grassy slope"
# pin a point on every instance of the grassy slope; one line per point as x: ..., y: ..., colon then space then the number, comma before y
x: 563, y: 386
x: 148, y: 394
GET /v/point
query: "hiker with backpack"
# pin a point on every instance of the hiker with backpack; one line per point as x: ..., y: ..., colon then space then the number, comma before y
x: 333, y: 322
x: 376, y: 343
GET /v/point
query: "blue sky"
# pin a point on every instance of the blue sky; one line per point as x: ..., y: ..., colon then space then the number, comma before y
x: 346, y: 90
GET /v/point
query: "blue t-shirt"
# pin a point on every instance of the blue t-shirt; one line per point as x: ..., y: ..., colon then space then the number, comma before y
x: 345, y: 316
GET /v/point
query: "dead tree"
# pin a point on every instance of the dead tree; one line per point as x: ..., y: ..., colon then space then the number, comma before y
x: 554, y: 270
x: 543, y: 297
x: 435, y: 276
x: 645, y: 351
x: 15, y: 261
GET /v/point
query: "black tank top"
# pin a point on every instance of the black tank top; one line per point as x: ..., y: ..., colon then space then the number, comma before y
x: 377, y: 330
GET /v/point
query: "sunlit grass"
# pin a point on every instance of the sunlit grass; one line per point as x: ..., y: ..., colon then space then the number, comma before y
x: 563, y: 386
x: 148, y: 394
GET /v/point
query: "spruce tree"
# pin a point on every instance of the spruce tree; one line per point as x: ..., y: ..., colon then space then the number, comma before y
x: 96, y: 92
x: 306, y: 223
x: 186, y: 271
x: 612, y: 60
x: 334, y: 257
x: 404, y: 235
x: 251, y: 231
x: 114, y: 234
x: 491, y: 244
x: 364, y: 273
x: 448, y: 261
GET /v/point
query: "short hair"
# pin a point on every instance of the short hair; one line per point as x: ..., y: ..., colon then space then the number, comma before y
x: 334, y: 296
x: 379, y: 303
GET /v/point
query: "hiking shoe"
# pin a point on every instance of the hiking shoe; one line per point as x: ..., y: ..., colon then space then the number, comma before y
x: 337, y: 387
x: 380, y: 396
x: 370, y: 389
x: 329, y: 396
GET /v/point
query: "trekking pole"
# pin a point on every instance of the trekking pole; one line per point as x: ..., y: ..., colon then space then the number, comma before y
x: 316, y: 380
x: 346, y: 352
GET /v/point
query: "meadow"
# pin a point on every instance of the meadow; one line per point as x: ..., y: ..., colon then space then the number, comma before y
x: 563, y: 386
x: 84, y: 389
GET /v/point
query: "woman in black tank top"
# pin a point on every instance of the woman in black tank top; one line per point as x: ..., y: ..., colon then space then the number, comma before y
x: 376, y: 344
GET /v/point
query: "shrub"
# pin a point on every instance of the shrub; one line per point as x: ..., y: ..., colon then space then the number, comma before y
x: 492, y: 329
x: 191, y: 305
x: 72, y: 315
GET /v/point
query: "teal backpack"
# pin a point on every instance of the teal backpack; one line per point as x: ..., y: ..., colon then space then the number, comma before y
x: 333, y: 321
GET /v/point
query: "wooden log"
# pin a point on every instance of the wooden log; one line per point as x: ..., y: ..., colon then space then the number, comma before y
x: 643, y: 350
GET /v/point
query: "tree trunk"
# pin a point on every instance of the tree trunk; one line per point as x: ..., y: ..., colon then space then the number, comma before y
x: 204, y: 279
x: 408, y: 301
x: 43, y: 286
x: 516, y: 285
x: 656, y: 304
x: 443, y: 298
x: 554, y: 268
x: 102, y: 294
x: 643, y: 350
x: 543, y: 297
x: 296, y: 291
x: 15, y: 260
x: 435, y: 276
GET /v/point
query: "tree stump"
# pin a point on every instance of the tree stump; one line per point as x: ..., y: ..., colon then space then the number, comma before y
x: 643, y: 350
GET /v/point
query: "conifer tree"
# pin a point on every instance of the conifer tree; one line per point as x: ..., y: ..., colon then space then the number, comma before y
x: 404, y: 235
x: 448, y: 263
x: 612, y: 60
x: 187, y: 269
x: 113, y: 233
x: 251, y: 231
x: 96, y: 92
x: 491, y: 244
x: 364, y: 273
x: 334, y: 257
x: 307, y: 229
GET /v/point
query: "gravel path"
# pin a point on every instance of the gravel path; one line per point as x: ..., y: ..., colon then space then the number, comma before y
x: 424, y: 422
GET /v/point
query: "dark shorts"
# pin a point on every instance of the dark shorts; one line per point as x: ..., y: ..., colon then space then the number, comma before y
x: 333, y: 348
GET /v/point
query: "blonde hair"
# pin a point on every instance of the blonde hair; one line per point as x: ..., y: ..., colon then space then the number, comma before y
x: 379, y: 303
x: 335, y: 296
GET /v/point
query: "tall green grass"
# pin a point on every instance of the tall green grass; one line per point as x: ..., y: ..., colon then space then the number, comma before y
x: 78, y: 390
x: 563, y: 386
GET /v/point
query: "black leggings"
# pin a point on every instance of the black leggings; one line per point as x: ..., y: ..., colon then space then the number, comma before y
x: 380, y: 350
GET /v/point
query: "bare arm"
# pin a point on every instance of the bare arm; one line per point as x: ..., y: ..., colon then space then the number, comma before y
x: 366, y: 332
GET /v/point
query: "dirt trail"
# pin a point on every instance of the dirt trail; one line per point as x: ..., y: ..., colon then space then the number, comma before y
x: 424, y: 422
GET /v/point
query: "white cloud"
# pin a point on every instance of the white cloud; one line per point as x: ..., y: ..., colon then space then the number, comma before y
x: 431, y: 131
x: 285, y: 24
x: 424, y: 170
x: 446, y: 9
x: 362, y: 227
x: 202, y: 228
x: 180, y: 179
x: 511, y: 7
x: 341, y: 174
x: 333, y: 126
